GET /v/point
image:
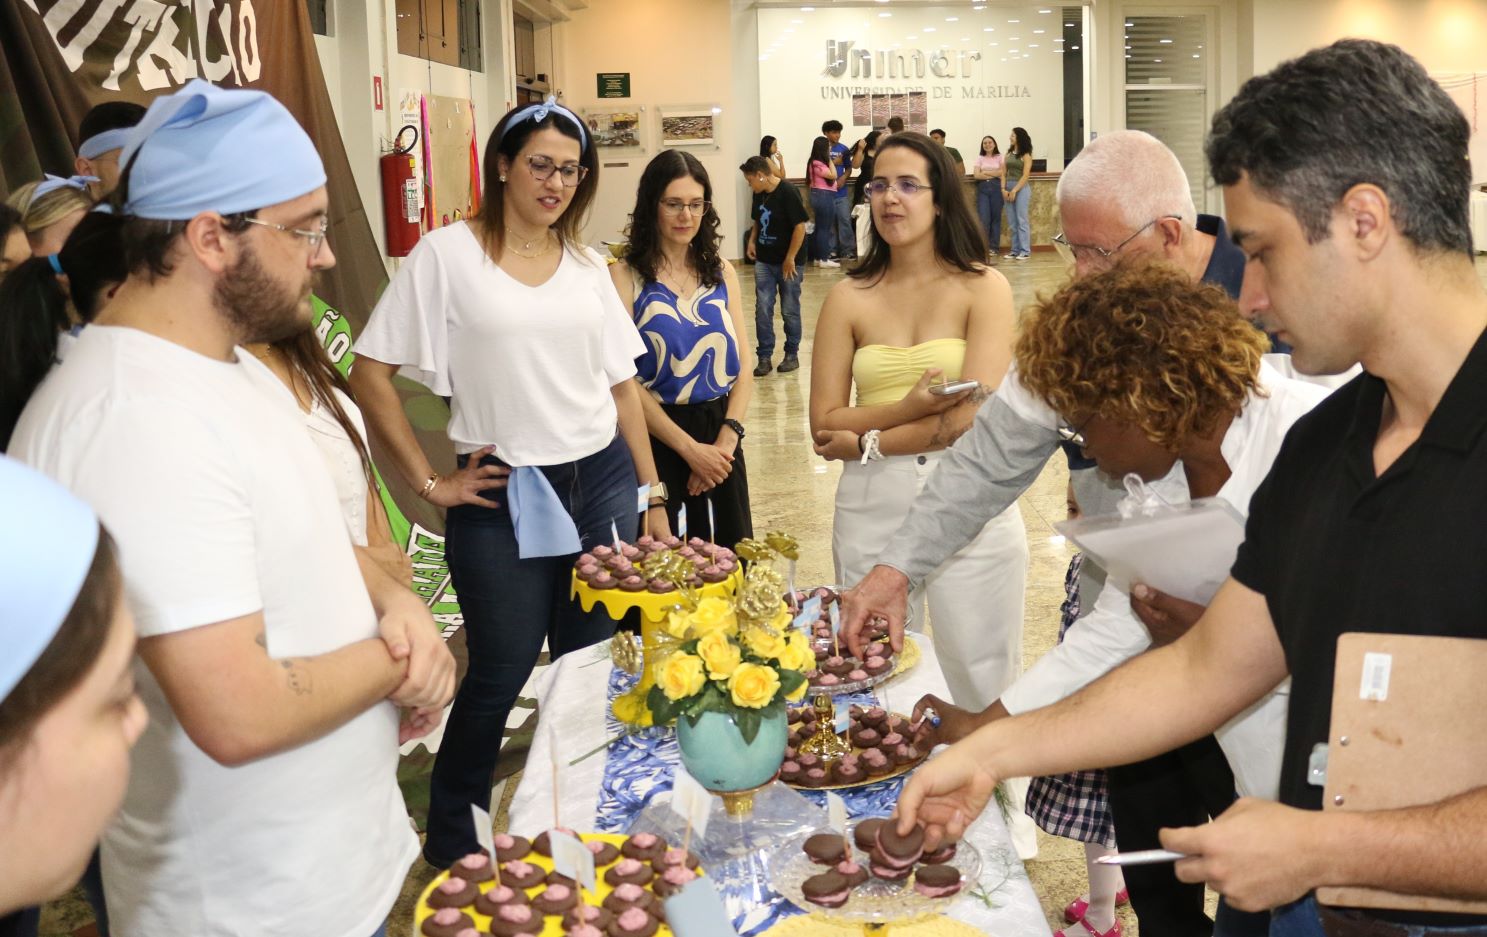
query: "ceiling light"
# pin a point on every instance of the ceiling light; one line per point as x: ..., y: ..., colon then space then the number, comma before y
x: 1075, y: 48
x: 1032, y: 45
x: 1045, y: 11
x: 807, y: 9
x: 1129, y: 24
x: 1040, y: 31
x: 1070, y: 25
x: 1157, y: 61
x: 929, y: 29
x: 1014, y: 21
x: 989, y: 29
x: 952, y: 19
x: 885, y: 13
x: 797, y: 22
x: 1165, y: 42
x: 1197, y: 56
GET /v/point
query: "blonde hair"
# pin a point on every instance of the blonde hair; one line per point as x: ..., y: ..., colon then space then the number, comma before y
x: 43, y: 212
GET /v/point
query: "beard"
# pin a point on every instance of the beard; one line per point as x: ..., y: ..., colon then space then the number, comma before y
x: 258, y: 307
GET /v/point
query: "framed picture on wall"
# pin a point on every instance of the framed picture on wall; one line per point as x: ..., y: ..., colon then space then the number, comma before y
x: 689, y: 126
x: 619, y: 130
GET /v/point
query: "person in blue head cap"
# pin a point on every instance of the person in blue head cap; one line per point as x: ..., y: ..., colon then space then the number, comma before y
x: 101, y: 138
x: 515, y: 320
x: 280, y: 672
x: 68, y: 710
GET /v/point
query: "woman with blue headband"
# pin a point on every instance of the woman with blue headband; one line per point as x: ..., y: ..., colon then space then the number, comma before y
x: 511, y: 317
x: 68, y: 710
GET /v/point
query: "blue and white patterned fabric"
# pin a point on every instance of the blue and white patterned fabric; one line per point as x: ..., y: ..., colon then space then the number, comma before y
x: 692, y: 352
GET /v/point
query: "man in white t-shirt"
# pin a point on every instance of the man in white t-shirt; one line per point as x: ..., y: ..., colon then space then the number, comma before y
x: 264, y: 797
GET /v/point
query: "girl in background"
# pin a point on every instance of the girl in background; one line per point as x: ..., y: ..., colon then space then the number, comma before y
x: 990, y: 174
x: 822, y: 178
x: 1018, y: 167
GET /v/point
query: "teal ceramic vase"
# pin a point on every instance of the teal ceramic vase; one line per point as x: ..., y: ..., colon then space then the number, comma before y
x: 715, y: 753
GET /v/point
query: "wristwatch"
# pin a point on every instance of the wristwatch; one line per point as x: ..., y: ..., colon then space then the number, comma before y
x: 736, y: 426
x: 658, y: 494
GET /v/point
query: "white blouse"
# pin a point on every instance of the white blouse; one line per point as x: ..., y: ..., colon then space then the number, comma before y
x: 343, y: 461
x: 529, y: 368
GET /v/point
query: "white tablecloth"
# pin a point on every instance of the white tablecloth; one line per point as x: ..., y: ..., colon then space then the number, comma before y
x: 571, y: 706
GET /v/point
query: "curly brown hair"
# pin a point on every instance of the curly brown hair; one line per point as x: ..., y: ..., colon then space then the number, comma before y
x: 1142, y: 344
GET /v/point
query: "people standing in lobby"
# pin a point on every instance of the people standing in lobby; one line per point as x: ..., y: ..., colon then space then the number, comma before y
x: 921, y: 308
x: 843, y: 160
x: 1353, y: 256
x: 515, y: 320
x: 938, y: 136
x: 1015, y: 189
x: 284, y: 762
x: 774, y: 244
x: 990, y: 175
x: 695, y: 375
x: 769, y: 148
x: 865, y: 154
x: 822, y: 177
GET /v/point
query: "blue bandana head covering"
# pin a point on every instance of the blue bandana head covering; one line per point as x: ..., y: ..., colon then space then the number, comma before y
x: 205, y: 148
x: 100, y: 143
x: 42, y: 565
x: 52, y: 183
x: 537, y: 113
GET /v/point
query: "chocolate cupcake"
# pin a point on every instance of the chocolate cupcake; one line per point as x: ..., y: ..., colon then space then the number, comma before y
x: 895, y: 723
x: 476, y: 868
x: 825, y: 849
x: 583, y: 930
x: 659, y: 586
x: 866, y: 833
x: 796, y: 714
x: 633, y: 922
x: 829, y: 889
x: 676, y: 859
x: 837, y: 665
x: 848, y: 771
x: 877, y: 763
x: 592, y: 915
x: 631, y: 552
x: 542, y: 843
x: 808, y: 761
x: 857, y: 676
x: 453, y: 893
x: 852, y: 872
x: 865, y: 737
x: 790, y: 772
x: 632, y: 583
x: 815, y: 777
x: 827, y: 679
x: 510, y: 847
x: 673, y: 880
x: 511, y: 920
x: 587, y: 571
x: 790, y: 753
x: 905, y: 755
x: 603, y: 580
x: 874, y: 717
x: 490, y: 901
x: 877, y: 665
x: 520, y: 874
x: 604, y: 853
x: 937, y: 881
x: 646, y: 847
x: 940, y: 856
x: 602, y: 552
x: 890, y: 741
x: 629, y: 872
x: 628, y: 896
x: 446, y: 922
x: 555, y: 899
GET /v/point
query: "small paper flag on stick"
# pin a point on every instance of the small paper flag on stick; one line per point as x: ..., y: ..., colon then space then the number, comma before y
x: 836, y: 811
x: 483, y: 827
x: 642, y: 499
x: 614, y: 535
x: 712, y: 528
x: 681, y: 522
x: 571, y: 858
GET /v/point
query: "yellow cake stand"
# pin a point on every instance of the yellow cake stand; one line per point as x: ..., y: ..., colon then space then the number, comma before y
x: 816, y: 925
x: 553, y: 926
x: 630, y: 707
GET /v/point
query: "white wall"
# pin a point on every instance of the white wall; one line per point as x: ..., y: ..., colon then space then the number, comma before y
x: 987, y: 95
x: 678, y: 52
x: 363, y: 44
x: 1445, y: 35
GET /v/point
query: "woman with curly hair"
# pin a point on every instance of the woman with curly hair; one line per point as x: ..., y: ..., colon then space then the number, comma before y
x: 1155, y: 375
x: 695, y: 375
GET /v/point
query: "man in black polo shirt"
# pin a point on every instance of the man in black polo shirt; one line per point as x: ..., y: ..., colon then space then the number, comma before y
x: 1374, y: 517
x: 775, y: 241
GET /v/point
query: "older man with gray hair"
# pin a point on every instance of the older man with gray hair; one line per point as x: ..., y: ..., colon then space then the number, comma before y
x: 1125, y: 194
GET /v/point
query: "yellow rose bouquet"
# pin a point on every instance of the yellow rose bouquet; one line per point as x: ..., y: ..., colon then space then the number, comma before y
x: 740, y: 656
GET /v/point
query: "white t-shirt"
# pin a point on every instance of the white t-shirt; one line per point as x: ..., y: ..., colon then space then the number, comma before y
x: 204, y: 474
x: 342, y: 460
x: 530, y: 368
x: 1111, y: 634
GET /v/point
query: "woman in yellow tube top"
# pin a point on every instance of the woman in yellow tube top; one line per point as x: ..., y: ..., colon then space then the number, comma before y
x: 922, y: 308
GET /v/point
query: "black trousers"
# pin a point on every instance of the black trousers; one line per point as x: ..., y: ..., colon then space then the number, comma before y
x: 1185, y: 787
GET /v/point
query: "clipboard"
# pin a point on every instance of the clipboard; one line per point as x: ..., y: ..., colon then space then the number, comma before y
x: 1398, y: 701
x: 1184, y: 550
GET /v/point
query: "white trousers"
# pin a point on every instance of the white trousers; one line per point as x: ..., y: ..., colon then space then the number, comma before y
x: 975, y: 598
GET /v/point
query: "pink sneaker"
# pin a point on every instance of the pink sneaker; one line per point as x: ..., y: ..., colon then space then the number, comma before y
x: 1077, y: 908
x: 1089, y: 929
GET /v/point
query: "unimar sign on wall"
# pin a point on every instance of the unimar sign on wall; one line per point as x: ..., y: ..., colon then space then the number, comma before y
x: 970, y: 72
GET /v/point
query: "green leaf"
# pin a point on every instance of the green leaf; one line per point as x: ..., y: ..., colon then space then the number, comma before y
x: 775, y: 709
x: 663, y: 708
x: 748, y: 724
x: 790, y: 681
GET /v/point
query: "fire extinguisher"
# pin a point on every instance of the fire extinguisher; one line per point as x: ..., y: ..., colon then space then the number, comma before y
x: 400, y: 195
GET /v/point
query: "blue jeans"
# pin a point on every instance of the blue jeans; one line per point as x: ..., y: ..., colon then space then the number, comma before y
x: 989, y: 204
x: 1021, y: 240
x: 767, y: 279
x: 510, y: 606
x: 846, y: 231
x: 823, y: 213
x: 1300, y: 919
x: 381, y: 931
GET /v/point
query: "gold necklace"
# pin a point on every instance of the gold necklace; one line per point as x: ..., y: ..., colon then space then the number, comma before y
x: 529, y: 244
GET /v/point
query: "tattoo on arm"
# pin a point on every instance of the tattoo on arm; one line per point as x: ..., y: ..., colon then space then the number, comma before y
x: 261, y: 640
x: 297, y: 676
x: 946, y: 433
